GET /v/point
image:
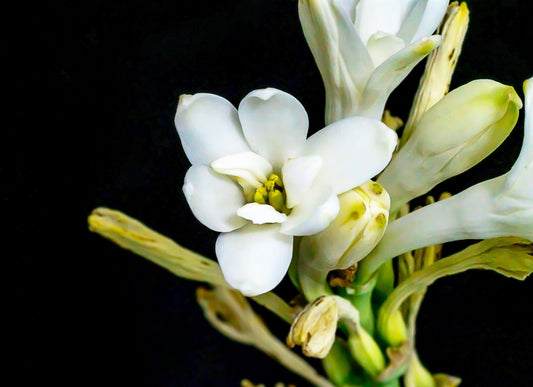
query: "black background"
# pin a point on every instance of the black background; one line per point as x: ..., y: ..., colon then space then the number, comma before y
x: 96, y: 88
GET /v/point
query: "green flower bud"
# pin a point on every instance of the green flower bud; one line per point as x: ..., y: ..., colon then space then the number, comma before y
x: 455, y: 134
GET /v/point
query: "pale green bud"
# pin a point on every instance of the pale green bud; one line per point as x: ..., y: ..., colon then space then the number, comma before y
x: 358, y: 227
x: 366, y: 352
x: 459, y: 131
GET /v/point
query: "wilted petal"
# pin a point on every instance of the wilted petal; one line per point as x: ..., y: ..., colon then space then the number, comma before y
x: 214, y: 199
x: 353, y: 150
x: 313, y: 214
x: 274, y: 123
x: 298, y: 176
x: 261, y: 213
x: 254, y: 258
x: 208, y: 127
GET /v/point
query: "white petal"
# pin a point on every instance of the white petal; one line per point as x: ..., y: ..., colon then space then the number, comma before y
x: 520, y: 178
x: 423, y: 19
x: 261, y: 213
x: 340, y: 54
x: 255, y: 258
x: 298, y: 176
x: 248, y: 166
x: 353, y: 150
x: 382, y: 46
x: 378, y: 15
x: 214, y: 199
x: 391, y: 72
x: 274, y: 123
x: 315, y: 212
x: 208, y: 127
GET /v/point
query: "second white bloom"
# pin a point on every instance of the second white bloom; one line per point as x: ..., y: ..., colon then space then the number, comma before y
x: 257, y: 178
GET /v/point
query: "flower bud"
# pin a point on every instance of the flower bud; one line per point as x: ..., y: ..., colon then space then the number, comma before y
x: 459, y: 131
x: 314, y: 328
x: 356, y: 230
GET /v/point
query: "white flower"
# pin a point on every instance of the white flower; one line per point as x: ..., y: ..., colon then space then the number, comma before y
x: 365, y: 48
x: 498, y: 207
x: 258, y: 180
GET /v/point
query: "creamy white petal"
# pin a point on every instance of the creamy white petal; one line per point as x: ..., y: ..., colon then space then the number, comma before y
x: 520, y: 178
x: 353, y: 150
x: 214, y: 199
x: 378, y: 15
x: 248, y: 166
x: 391, y: 73
x: 254, y: 258
x: 423, y: 19
x: 274, y: 123
x: 208, y: 127
x: 314, y: 213
x: 261, y: 213
x: 340, y: 54
x: 298, y: 176
x: 382, y: 46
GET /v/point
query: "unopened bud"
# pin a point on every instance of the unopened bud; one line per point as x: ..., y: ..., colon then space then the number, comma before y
x: 459, y: 131
x: 358, y: 227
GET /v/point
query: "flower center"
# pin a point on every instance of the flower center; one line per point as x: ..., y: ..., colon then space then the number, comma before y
x: 272, y: 192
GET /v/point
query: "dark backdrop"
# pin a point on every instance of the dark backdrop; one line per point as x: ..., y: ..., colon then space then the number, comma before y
x: 96, y: 88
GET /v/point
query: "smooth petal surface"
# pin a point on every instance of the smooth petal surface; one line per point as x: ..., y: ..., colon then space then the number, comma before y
x: 520, y: 179
x: 208, y: 127
x: 247, y: 166
x: 391, y: 73
x: 274, y: 123
x: 378, y: 15
x: 313, y: 214
x: 423, y: 19
x: 261, y: 213
x: 353, y: 150
x: 214, y: 199
x: 382, y: 46
x: 254, y: 258
x: 298, y: 177
x: 340, y: 54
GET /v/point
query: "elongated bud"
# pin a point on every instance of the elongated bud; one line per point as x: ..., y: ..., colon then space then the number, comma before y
x: 459, y: 131
x: 360, y: 224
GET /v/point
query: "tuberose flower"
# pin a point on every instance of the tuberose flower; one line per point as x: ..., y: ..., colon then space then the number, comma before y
x: 257, y: 178
x: 365, y: 48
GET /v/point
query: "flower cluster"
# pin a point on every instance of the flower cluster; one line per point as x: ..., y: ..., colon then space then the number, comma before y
x: 332, y: 209
x: 263, y: 184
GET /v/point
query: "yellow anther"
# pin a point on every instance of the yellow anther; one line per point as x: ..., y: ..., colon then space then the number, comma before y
x: 270, y: 185
x: 276, y: 179
x: 276, y: 200
x: 272, y: 193
x: 261, y: 195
